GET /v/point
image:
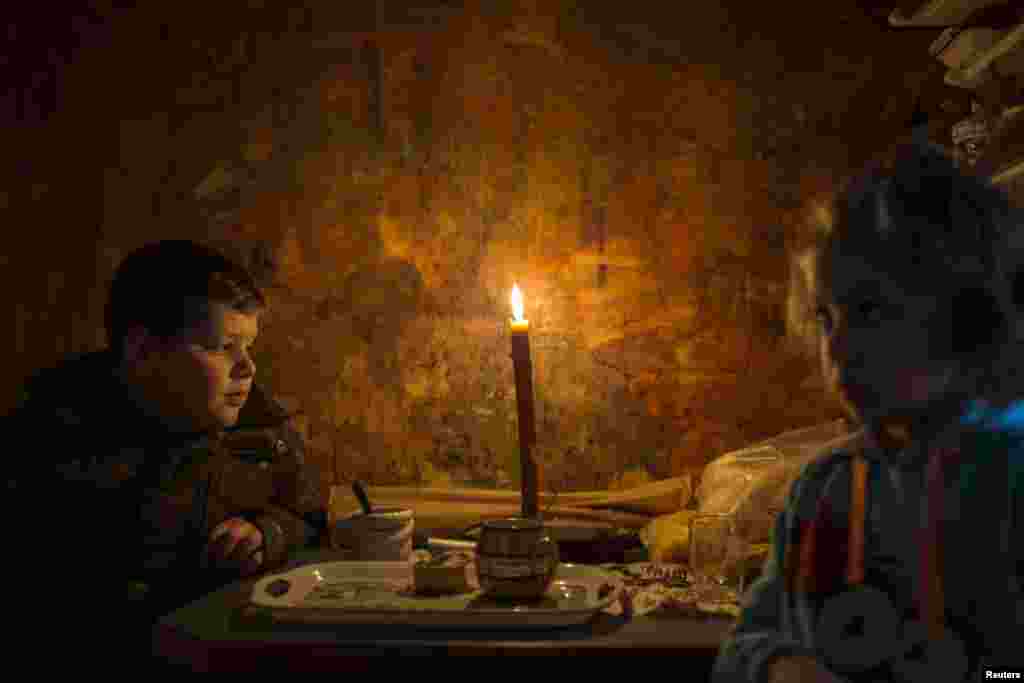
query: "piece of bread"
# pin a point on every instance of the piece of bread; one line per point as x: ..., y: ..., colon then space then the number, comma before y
x: 668, y: 537
x: 446, y: 573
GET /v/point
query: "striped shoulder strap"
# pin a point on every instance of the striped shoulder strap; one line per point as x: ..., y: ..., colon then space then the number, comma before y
x: 819, y: 557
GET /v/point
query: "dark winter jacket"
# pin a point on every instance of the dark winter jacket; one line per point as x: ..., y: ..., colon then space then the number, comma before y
x: 873, y: 630
x: 113, y: 511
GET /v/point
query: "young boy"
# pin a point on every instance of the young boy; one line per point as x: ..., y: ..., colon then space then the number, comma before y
x: 129, y: 494
x: 900, y: 555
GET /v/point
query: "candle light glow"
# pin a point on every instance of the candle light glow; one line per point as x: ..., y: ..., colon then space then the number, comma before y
x: 518, y: 322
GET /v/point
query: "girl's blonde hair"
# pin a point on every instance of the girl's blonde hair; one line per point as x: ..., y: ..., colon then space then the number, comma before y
x: 938, y: 232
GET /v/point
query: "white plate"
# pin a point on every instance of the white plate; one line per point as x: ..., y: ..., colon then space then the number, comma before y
x: 372, y: 593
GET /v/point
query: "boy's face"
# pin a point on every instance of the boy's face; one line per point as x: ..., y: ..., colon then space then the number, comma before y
x: 201, y: 380
x: 879, y: 343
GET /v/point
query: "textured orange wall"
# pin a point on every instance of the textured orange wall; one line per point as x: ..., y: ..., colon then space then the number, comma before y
x: 389, y: 175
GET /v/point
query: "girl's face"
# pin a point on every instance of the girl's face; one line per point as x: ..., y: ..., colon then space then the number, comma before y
x: 879, y: 344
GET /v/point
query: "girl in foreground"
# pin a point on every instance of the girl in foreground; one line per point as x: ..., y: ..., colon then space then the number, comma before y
x: 900, y: 554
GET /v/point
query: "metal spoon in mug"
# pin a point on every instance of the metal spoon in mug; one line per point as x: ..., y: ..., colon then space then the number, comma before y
x: 364, y: 500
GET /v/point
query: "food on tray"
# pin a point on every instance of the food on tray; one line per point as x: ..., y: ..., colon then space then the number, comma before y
x: 650, y: 573
x: 662, y: 589
x: 447, y: 572
x: 680, y: 603
x: 719, y: 608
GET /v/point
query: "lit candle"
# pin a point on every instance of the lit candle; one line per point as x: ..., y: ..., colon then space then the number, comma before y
x: 524, y: 403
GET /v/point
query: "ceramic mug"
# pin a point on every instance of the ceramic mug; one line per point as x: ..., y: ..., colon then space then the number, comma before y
x: 384, y: 535
x: 516, y: 558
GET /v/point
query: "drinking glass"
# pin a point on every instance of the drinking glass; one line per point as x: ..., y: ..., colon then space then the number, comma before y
x: 717, y: 554
x: 756, y: 529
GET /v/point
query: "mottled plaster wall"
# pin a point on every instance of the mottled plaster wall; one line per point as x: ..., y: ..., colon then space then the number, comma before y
x: 389, y: 176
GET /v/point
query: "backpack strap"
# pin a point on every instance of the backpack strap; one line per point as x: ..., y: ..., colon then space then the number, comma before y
x: 819, y: 557
x: 858, y: 519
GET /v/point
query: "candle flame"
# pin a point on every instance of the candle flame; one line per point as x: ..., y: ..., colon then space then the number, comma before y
x: 517, y: 303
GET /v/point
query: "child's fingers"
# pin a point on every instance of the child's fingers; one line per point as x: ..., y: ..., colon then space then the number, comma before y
x: 245, y: 549
x: 253, y: 563
x: 234, y: 540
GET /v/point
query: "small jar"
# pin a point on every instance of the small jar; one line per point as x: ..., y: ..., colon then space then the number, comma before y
x: 516, y: 559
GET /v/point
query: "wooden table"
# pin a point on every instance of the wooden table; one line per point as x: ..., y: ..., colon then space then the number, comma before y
x: 217, y: 633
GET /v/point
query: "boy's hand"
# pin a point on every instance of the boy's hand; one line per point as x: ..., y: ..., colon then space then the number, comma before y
x: 800, y: 669
x: 236, y: 544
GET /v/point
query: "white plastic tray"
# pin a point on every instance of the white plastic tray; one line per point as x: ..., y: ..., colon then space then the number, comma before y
x: 378, y: 593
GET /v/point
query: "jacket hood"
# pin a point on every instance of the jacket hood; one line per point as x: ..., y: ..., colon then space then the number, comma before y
x: 260, y: 411
x: 74, y: 384
x: 82, y: 385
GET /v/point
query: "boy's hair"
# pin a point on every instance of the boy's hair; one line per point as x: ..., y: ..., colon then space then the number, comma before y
x: 937, y: 232
x: 167, y: 288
